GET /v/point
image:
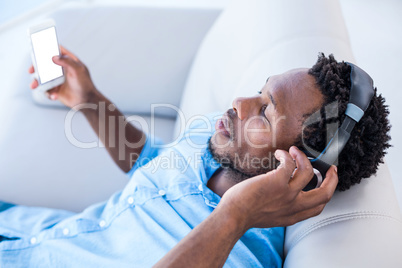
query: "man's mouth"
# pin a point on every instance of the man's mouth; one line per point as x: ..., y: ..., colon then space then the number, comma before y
x: 223, y: 126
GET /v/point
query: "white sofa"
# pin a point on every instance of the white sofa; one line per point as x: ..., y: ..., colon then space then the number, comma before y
x: 141, y: 64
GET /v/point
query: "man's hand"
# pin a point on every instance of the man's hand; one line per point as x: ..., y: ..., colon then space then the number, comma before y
x: 272, y: 199
x: 78, y: 87
x: 276, y: 198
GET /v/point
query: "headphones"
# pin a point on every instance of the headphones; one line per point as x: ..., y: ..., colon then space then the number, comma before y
x: 361, y: 93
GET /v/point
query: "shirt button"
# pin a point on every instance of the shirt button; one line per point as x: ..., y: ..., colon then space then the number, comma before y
x: 130, y: 200
x: 200, y: 187
x: 102, y: 223
x: 161, y: 192
x: 33, y: 240
x: 66, y: 231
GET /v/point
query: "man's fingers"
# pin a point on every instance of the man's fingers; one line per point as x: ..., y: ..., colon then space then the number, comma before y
x: 304, y: 172
x: 322, y: 194
x: 31, y: 69
x: 65, y: 51
x: 328, y: 186
x: 311, y: 203
x: 34, y: 84
x: 287, y: 165
x: 330, y: 182
x: 65, y: 61
x: 53, y: 93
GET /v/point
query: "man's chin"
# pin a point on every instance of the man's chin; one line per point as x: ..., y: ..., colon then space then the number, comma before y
x: 221, y: 142
x: 233, y: 165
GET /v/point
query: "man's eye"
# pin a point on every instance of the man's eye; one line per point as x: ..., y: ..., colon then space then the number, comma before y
x: 263, y: 110
x: 259, y: 92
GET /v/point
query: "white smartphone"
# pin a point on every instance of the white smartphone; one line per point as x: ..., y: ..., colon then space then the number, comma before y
x: 43, y: 38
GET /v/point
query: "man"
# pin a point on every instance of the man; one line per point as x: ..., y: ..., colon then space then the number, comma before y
x: 156, y: 210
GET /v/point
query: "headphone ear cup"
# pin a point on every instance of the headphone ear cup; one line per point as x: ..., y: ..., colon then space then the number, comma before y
x: 312, y: 184
x: 320, y: 168
x: 319, y: 177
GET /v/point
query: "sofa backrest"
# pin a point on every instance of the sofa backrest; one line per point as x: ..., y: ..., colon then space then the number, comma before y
x: 252, y: 40
x: 131, y: 52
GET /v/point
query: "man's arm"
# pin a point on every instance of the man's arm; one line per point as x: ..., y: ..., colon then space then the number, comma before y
x: 269, y: 200
x: 122, y: 140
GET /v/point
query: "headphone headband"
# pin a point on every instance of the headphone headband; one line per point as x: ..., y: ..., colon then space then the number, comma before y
x: 361, y: 93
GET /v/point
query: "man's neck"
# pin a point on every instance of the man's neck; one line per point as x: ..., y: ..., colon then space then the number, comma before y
x: 220, y: 182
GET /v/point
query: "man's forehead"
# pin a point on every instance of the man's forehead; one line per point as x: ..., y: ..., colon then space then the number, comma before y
x: 293, y: 82
x: 295, y: 90
x: 291, y: 78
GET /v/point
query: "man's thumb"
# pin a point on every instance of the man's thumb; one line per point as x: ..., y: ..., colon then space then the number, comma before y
x: 64, y: 61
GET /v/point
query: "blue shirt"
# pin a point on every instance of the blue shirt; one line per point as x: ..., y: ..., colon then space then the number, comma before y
x: 164, y: 200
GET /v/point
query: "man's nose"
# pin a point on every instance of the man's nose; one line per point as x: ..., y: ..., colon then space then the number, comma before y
x: 244, y: 107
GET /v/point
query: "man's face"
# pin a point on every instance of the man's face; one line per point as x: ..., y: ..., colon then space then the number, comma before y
x: 248, y: 134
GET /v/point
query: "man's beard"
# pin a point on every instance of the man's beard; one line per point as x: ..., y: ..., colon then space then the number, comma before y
x: 234, y: 168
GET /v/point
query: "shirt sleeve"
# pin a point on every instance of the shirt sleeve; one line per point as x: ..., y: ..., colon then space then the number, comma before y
x: 150, y: 150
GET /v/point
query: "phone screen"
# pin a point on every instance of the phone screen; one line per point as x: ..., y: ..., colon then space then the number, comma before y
x: 45, y: 46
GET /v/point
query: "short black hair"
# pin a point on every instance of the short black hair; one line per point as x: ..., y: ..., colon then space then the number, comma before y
x: 370, y: 137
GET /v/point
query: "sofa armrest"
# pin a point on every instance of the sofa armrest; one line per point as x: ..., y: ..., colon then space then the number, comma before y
x: 361, y: 227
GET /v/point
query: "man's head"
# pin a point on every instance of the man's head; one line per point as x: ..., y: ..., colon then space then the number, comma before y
x: 276, y: 119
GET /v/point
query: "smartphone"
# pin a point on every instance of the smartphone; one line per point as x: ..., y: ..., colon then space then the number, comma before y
x: 44, y: 43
